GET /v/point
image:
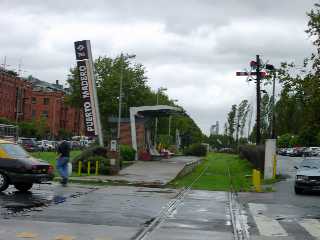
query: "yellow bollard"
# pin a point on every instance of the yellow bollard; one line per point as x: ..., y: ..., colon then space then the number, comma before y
x: 254, y: 178
x: 79, y: 168
x: 258, y: 181
x: 274, y: 166
x: 89, y: 166
x: 97, y: 168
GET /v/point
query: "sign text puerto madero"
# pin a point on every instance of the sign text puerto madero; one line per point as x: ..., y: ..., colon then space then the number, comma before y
x: 85, y: 67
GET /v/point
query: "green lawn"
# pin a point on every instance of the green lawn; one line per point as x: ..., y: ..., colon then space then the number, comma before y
x: 216, y: 176
x: 51, y: 157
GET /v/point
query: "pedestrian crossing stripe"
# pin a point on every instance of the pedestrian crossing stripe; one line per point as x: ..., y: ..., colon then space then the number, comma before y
x: 312, y: 226
x: 267, y: 226
x: 270, y: 227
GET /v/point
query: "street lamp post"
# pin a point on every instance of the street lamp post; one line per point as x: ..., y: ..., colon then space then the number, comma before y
x: 120, y: 99
x: 160, y: 90
x: 170, y: 118
x: 122, y: 62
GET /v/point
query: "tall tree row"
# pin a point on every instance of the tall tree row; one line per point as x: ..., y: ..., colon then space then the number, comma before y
x: 297, y: 111
x: 136, y: 92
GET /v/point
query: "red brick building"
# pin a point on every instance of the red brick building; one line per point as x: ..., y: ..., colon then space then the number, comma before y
x: 32, y: 99
x: 15, y: 97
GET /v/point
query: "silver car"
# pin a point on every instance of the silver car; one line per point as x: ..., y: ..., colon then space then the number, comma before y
x: 307, y: 176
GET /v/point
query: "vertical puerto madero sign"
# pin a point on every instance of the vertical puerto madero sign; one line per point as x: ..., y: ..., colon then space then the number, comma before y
x: 88, y: 88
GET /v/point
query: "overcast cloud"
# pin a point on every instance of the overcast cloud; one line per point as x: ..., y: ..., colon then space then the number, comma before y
x: 193, y: 48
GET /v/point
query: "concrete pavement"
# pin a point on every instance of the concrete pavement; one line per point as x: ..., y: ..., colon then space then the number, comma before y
x: 149, y: 173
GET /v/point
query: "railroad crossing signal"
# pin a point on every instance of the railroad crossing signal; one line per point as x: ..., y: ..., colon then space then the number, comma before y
x: 239, y: 74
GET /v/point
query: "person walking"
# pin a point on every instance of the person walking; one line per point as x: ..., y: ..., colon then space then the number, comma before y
x: 63, y: 160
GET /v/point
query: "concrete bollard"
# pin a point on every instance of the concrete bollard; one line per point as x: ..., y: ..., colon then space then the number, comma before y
x: 270, y: 151
x: 79, y: 168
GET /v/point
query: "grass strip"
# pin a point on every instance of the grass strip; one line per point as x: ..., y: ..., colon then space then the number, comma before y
x: 51, y: 157
x: 216, y: 178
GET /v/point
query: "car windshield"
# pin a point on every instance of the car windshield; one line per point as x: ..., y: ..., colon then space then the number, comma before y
x: 310, y: 164
x: 14, y: 150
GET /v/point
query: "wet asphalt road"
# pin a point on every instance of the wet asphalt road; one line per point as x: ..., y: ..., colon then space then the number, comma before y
x: 111, y: 213
x: 103, y: 213
x: 282, y: 213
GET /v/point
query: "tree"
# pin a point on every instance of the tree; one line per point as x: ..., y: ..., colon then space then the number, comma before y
x: 231, y: 120
x: 241, y: 117
x: 135, y: 92
x: 244, y: 120
x: 42, y: 129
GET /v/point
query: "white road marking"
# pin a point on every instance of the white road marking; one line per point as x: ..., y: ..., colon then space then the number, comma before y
x: 312, y: 226
x: 266, y: 225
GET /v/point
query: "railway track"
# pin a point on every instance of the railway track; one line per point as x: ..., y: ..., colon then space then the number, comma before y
x: 240, y: 230
x: 146, y: 233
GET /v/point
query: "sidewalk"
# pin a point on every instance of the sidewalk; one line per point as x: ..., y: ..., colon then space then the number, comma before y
x: 149, y: 173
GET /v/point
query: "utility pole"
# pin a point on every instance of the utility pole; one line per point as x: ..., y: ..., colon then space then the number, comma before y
x: 169, y: 130
x: 120, y: 99
x: 273, y: 131
x: 4, y: 65
x: 160, y: 90
x: 156, y: 124
x: 258, y: 134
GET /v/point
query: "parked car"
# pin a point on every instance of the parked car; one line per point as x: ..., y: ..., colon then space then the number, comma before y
x: 54, y: 145
x: 282, y: 151
x: 307, y: 176
x: 296, y: 152
x: 315, y: 151
x: 29, y: 144
x: 45, y: 145
x: 75, y: 145
x: 288, y: 151
x: 19, y: 168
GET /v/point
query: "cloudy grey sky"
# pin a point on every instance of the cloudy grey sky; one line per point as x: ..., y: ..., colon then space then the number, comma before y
x: 191, y: 47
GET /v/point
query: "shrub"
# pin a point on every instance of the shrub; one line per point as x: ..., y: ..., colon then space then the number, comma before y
x: 165, y: 140
x: 87, y: 154
x: 104, y: 164
x: 92, y: 151
x: 254, y: 154
x: 127, y: 153
x: 196, y: 149
x: 173, y: 149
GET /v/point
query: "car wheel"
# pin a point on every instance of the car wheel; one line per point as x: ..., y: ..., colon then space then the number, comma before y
x: 298, y: 190
x: 4, y: 182
x: 23, y: 187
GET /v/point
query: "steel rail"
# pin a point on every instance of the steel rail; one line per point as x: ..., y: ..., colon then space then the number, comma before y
x: 240, y: 231
x: 164, y: 213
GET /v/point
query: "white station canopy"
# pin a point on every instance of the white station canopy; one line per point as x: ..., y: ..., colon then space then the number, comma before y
x: 156, y: 111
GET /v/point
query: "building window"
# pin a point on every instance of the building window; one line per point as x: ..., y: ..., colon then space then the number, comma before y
x: 45, y: 113
x: 34, y: 113
x: 33, y: 100
x: 46, y: 101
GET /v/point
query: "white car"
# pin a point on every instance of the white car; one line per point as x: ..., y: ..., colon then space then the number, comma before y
x: 45, y: 145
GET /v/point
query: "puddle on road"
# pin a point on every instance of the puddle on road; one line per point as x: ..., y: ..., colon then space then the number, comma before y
x: 15, y: 202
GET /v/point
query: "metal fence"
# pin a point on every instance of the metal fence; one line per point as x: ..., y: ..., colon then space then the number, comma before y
x: 9, y: 132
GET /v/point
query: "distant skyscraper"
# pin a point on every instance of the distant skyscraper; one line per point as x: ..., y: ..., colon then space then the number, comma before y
x: 214, y: 130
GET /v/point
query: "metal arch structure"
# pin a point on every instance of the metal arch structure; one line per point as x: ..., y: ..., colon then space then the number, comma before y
x: 156, y: 110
